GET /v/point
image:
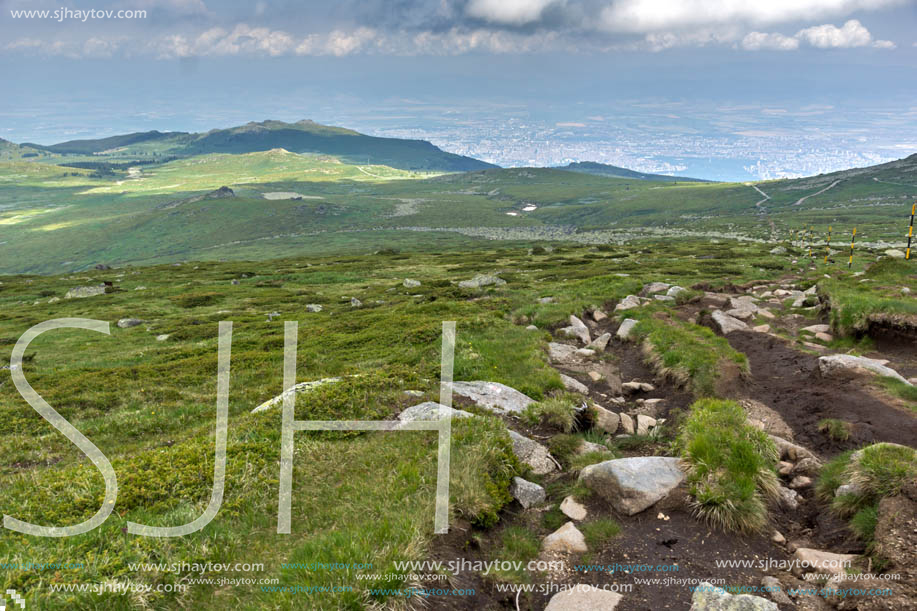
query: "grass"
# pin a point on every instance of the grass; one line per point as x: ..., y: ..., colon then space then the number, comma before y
x: 899, y: 389
x: 730, y: 466
x: 517, y: 544
x: 837, y: 430
x: 856, y: 305
x: 599, y: 532
x: 557, y: 412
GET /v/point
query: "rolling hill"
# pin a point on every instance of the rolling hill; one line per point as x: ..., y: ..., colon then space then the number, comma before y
x: 300, y: 137
x: 613, y: 171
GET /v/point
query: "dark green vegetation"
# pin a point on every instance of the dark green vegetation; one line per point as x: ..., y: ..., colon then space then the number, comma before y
x: 613, y: 171
x: 876, y: 299
x: 149, y: 405
x: 731, y: 466
x: 299, y: 190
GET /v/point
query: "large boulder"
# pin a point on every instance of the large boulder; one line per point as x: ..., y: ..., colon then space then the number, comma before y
x: 605, y: 420
x: 532, y: 453
x: 708, y: 597
x: 81, y: 292
x: 625, y: 329
x: 577, y: 329
x: 584, y: 598
x: 633, y: 484
x: 527, y: 493
x: 481, y: 280
x: 567, y: 539
x: 562, y: 353
x: 493, y: 396
x: 726, y: 323
x: 839, y: 363
x: 429, y: 410
x: 573, y: 385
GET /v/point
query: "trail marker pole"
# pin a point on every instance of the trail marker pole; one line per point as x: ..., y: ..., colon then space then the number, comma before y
x: 828, y: 245
x: 910, y: 232
x: 852, y: 240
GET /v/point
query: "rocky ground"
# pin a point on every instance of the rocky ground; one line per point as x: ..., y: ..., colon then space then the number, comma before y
x: 795, y: 381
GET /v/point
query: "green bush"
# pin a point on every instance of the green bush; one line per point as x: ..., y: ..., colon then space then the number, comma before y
x: 731, y: 466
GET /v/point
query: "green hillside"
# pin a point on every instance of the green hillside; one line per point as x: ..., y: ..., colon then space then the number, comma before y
x: 613, y: 171
x: 300, y: 137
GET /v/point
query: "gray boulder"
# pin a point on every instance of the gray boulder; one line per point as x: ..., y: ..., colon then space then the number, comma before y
x: 481, y: 280
x: 127, y: 323
x: 835, y: 363
x: 726, y: 323
x: 574, y: 385
x: 584, y: 598
x: 654, y: 287
x: 600, y: 343
x: 527, y: 493
x: 410, y: 284
x: 430, y: 410
x: 894, y: 253
x: 313, y: 307
x: 708, y: 597
x: 625, y: 329
x: 628, y: 303
x: 493, y: 396
x: 81, y: 292
x: 633, y: 484
x: 566, y: 539
x: 532, y: 453
x: 779, y: 250
x: 577, y: 329
x: 561, y: 353
x: 606, y: 420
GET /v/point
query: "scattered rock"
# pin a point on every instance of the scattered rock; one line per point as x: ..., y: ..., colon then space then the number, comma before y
x: 726, y: 323
x: 577, y: 329
x: 835, y: 363
x: 355, y: 303
x: 765, y: 313
x: 599, y: 343
x: 313, y: 307
x: 532, y: 453
x: 81, y: 292
x: 778, y: 538
x: 586, y: 352
x: 162, y: 338
x: 413, y: 393
x: 635, y: 386
x: 127, y: 323
x: 410, y: 284
x: 481, y: 280
x: 663, y: 298
x: 595, y: 376
x: 566, y: 539
x: 545, y: 300
x: 493, y: 395
x: 54, y: 300
x: 741, y: 314
x: 708, y: 597
x: 235, y: 283
x: 627, y: 424
x: 298, y: 388
x: 810, y: 560
x: 654, y: 287
x: 790, y: 450
x: 606, y: 420
x: 779, y: 250
x: 584, y: 598
x: 789, y: 498
x: 531, y: 328
x: 845, y: 489
x: 894, y: 253
x: 573, y: 385
x: 674, y: 291
x: 800, y: 481
x: 785, y: 467
x: 774, y: 589
x: 816, y: 329
x: 633, y: 484
x: 561, y: 353
x: 762, y: 329
x: 429, y: 410
x: 628, y: 303
x: 573, y: 510
x: 527, y: 493
x: 644, y: 424
x: 599, y: 315
x: 625, y: 329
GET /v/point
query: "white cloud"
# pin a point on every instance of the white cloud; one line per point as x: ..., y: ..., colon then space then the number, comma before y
x: 851, y: 34
x: 509, y: 12
x: 643, y: 16
x: 774, y: 41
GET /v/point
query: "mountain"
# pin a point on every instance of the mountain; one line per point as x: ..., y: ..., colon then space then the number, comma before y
x: 300, y: 137
x: 613, y: 171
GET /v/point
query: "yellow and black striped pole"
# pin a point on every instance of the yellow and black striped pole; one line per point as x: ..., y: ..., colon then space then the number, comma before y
x: 828, y: 245
x: 809, y: 241
x: 852, y: 240
x: 910, y: 232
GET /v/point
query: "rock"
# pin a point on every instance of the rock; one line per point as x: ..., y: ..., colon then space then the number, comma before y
x: 774, y: 590
x: 726, y: 323
x: 663, y: 298
x: 789, y: 498
x: 800, y: 481
x: 481, y: 280
x: 584, y: 598
x: 599, y: 343
x: 644, y: 424
x: 627, y: 424
x: 654, y: 287
x: 810, y: 560
x: 635, y: 386
x: 127, y: 323
x: 302, y: 387
x: 567, y: 539
x: 707, y: 597
x: 410, y: 284
x: 313, y: 307
x: 741, y: 314
x: 599, y: 315
x: 625, y: 329
x: 532, y: 453
x: 808, y: 466
x: 605, y: 420
x: 355, y: 303
x: 54, y: 300
x: 573, y: 510
x: 633, y: 484
x: 835, y: 363
x: 894, y: 253
x: 573, y: 385
x: 674, y: 291
x: 785, y: 467
x: 778, y: 250
x: 545, y: 300
x: 816, y: 329
x: 493, y: 396
x: 429, y: 410
x: 812, y: 290
x: 762, y: 329
x: 778, y: 538
x: 765, y: 313
x: 628, y: 303
x: 235, y: 283
x: 81, y: 292
x: 905, y: 290
x: 586, y: 352
x: 527, y: 493
x: 162, y: 338
x: 578, y: 329
x: 561, y: 353
x: 595, y: 376
x: 413, y: 393
x: 531, y: 328
x: 845, y: 489
x: 587, y: 446
x: 790, y: 450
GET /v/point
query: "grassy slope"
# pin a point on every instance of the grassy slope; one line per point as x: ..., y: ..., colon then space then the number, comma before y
x: 149, y: 406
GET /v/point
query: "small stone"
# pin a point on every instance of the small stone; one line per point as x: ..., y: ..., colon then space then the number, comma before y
x: 531, y: 328
x: 410, y: 284
x: 162, y: 338
x: 784, y: 467
x: 584, y: 598
x: 824, y: 337
x: 635, y: 386
x: 586, y: 352
x: 566, y: 539
x: 599, y: 343
x: 573, y: 510
x: 545, y: 300
x: 627, y: 424
x: 573, y: 385
x: 762, y: 329
x: 527, y: 493
x: 644, y: 424
x: 127, y: 323
x: 625, y: 329
x: 778, y: 538
x: 606, y: 420
x: 599, y: 315
x: 774, y: 590
x: 815, y: 329
x: 355, y: 303
x: 313, y: 307
x: 628, y: 303
x: 595, y: 376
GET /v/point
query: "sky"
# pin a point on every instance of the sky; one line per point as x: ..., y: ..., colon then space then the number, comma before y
x: 719, y: 86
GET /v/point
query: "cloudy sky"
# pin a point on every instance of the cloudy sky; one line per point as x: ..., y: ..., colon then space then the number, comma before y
x: 391, y: 64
